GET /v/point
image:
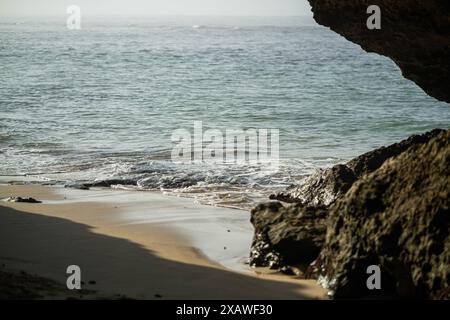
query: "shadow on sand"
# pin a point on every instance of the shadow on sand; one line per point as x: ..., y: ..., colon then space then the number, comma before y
x: 46, y: 246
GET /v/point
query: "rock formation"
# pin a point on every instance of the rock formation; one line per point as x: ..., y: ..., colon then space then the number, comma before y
x: 414, y: 34
x: 388, y: 207
x: 398, y: 218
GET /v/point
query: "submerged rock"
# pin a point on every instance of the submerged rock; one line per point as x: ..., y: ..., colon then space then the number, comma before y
x: 398, y: 218
x: 86, y: 185
x: 76, y: 185
x: 20, y: 199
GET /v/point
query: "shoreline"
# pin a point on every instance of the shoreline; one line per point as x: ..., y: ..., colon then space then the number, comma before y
x: 166, y: 247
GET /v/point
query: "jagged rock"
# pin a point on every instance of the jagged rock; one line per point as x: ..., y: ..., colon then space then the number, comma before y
x: 286, y: 234
x: 320, y: 189
x: 397, y: 217
x: 414, y: 34
x: 325, y: 186
x: 20, y: 199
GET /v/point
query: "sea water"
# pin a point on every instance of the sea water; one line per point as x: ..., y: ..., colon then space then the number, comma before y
x: 103, y: 102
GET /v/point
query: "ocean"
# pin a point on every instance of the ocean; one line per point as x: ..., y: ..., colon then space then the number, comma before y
x: 103, y: 102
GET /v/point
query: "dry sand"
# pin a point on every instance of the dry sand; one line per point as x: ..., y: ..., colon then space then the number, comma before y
x: 141, y: 245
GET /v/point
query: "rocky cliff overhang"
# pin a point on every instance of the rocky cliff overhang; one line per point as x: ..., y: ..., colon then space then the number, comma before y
x: 414, y: 34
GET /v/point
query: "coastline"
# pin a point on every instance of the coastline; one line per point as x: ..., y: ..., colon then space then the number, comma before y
x: 139, y: 245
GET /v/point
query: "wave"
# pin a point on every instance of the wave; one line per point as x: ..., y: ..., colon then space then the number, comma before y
x: 219, y: 185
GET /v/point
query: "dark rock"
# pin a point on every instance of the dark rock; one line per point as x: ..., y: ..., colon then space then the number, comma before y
x: 20, y: 199
x: 86, y: 185
x: 414, y: 34
x: 110, y: 182
x: 79, y: 186
x: 397, y: 217
x: 387, y: 206
x: 285, y: 235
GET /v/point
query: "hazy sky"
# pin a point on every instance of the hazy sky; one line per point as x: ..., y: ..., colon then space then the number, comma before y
x: 158, y: 7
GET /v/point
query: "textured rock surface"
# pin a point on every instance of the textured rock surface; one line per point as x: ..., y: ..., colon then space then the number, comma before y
x: 325, y: 186
x: 370, y: 161
x: 321, y: 188
x: 397, y: 217
x: 414, y: 34
x: 395, y: 214
x: 286, y: 235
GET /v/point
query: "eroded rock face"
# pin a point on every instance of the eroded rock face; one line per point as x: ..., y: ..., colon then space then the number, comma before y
x: 414, y: 34
x: 397, y: 217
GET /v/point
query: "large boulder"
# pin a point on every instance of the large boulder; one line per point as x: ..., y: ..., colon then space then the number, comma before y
x: 382, y: 208
x: 398, y: 218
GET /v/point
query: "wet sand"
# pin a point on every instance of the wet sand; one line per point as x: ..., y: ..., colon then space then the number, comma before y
x: 141, y: 245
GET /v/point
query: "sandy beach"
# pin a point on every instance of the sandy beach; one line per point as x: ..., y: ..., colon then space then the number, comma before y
x: 139, y: 245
